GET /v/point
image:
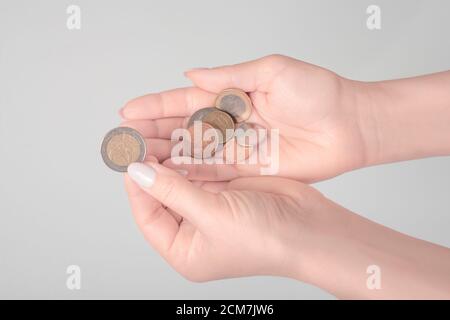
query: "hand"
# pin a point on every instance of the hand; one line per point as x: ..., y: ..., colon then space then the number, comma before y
x: 276, y: 226
x: 214, y: 230
x: 314, y: 109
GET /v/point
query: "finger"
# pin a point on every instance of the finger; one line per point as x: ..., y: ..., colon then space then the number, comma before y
x: 159, y: 128
x: 158, y: 226
x: 159, y: 148
x: 203, y: 171
x: 176, y: 192
x: 132, y: 188
x: 173, y: 103
x: 248, y: 76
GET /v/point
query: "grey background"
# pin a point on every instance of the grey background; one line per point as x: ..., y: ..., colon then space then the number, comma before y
x: 60, y: 91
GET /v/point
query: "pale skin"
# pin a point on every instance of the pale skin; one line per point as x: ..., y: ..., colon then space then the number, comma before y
x: 226, y: 223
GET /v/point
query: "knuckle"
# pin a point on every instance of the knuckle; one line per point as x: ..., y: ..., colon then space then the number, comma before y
x: 168, y: 192
x: 272, y: 64
x: 275, y: 59
x: 190, y: 95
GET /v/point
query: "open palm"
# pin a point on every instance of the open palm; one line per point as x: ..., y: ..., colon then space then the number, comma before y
x: 313, y: 109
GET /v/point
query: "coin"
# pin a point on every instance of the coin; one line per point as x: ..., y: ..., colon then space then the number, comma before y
x: 236, y: 103
x: 206, y: 145
x: 122, y: 146
x: 199, y: 115
x: 222, y: 121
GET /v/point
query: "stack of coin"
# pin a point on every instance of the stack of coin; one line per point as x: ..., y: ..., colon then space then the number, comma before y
x: 232, y: 108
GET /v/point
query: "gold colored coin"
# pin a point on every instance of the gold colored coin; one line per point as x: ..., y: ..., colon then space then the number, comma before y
x: 203, y: 142
x: 235, y: 102
x: 199, y: 115
x: 122, y: 146
x: 221, y: 121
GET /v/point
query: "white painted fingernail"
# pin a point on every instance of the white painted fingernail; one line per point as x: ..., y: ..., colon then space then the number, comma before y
x: 142, y: 174
x: 182, y: 172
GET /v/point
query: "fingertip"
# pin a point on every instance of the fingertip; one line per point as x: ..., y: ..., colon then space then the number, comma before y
x: 151, y: 159
x: 201, y: 79
x: 121, y: 114
x: 191, y: 75
x: 192, y: 70
x: 131, y: 108
x: 124, y: 112
x: 169, y: 163
x: 142, y: 174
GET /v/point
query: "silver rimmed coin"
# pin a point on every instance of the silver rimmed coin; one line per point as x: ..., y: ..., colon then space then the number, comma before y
x: 222, y: 121
x: 235, y: 102
x: 204, y: 140
x: 199, y: 115
x: 122, y: 146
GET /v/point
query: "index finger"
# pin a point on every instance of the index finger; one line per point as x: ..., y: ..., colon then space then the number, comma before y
x: 180, y: 102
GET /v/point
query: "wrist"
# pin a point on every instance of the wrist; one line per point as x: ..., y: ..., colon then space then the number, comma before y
x: 354, y: 258
x: 404, y: 119
x: 323, y: 241
x: 360, y: 112
x: 364, y: 99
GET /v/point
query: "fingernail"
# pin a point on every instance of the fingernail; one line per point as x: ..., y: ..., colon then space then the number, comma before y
x: 186, y: 73
x: 141, y: 174
x: 195, y: 69
x: 182, y: 172
x: 121, y: 113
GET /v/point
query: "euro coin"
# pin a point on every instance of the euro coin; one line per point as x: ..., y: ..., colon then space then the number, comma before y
x: 221, y: 121
x: 236, y: 103
x: 204, y: 140
x: 199, y: 115
x: 122, y: 146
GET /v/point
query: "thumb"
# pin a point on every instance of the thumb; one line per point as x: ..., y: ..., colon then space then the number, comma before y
x: 276, y: 185
x: 175, y: 192
x: 248, y: 76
